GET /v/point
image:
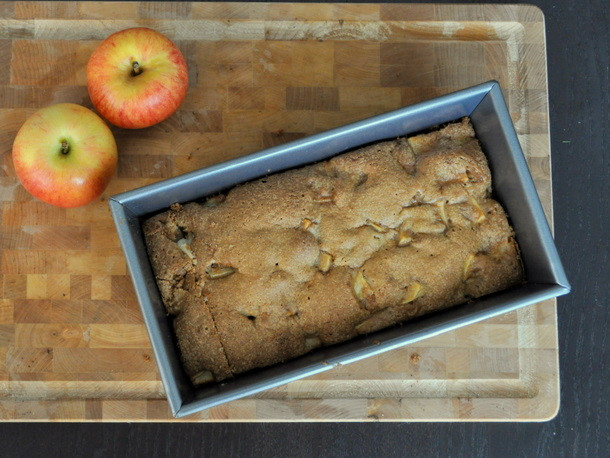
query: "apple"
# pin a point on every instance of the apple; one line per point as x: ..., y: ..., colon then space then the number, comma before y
x: 64, y: 155
x: 137, y: 78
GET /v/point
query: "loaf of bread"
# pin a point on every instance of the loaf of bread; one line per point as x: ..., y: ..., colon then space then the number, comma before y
x: 320, y: 254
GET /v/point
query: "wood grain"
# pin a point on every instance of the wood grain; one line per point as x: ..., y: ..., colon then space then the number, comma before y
x: 72, y: 341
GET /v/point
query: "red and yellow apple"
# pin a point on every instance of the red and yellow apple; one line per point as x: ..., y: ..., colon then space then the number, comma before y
x: 137, y: 78
x: 65, y: 155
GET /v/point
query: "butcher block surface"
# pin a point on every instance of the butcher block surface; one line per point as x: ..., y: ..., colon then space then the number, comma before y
x: 73, y: 346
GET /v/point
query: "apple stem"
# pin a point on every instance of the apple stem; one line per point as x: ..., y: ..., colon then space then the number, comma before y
x: 65, y: 148
x: 136, y: 68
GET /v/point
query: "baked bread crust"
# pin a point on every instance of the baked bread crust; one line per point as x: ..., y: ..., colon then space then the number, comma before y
x: 317, y: 255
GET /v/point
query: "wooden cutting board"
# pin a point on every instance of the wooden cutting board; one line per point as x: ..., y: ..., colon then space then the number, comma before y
x: 72, y: 342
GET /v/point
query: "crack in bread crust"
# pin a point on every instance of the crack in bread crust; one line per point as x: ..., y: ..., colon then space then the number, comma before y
x: 317, y: 255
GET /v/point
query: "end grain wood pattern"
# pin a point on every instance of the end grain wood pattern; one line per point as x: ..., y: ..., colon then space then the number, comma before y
x: 72, y: 342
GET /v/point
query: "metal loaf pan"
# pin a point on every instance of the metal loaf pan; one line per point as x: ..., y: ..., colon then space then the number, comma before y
x: 513, y: 187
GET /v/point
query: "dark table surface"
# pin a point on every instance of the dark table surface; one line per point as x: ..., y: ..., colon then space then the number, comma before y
x: 577, y: 52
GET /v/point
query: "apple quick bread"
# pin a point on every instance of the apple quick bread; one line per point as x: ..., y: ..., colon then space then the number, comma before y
x: 320, y: 254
